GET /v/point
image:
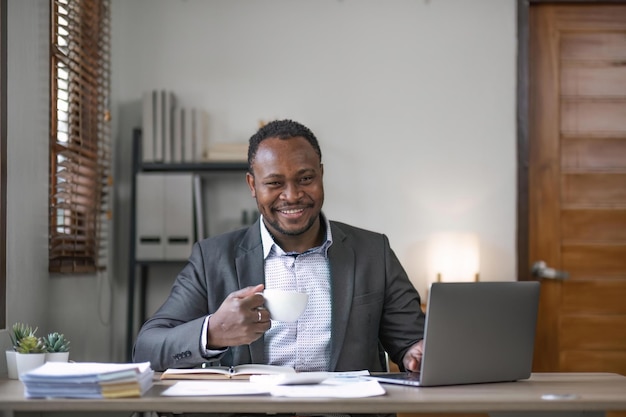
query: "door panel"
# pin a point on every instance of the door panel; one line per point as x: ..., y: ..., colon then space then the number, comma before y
x: 607, y: 297
x: 593, y: 225
x: 577, y: 183
x: 589, y: 154
x: 586, y: 116
x: 594, y: 261
x: 592, y: 189
x: 584, y: 332
x: 595, y: 361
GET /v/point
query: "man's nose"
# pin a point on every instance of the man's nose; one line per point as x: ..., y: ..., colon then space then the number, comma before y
x: 291, y: 192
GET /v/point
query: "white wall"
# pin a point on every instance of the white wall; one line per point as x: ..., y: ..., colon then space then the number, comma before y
x: 413, y: 103
x: 27, y: 164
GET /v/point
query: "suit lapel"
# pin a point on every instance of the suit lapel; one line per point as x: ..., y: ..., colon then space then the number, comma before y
x: 251, y: 272
x: 341, y: 258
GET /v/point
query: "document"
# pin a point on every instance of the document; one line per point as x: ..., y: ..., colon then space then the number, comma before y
x: 336, y: 386
x: 356, y: 389
x: 206, y: 388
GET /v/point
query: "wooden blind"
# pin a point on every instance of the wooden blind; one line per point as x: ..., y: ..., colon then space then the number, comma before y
x: 80, y: 151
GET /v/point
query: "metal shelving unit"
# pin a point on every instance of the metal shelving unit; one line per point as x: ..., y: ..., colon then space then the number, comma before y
x: 138, y: 270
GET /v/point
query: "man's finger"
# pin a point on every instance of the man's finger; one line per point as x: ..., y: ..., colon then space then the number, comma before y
x: 248, y: 291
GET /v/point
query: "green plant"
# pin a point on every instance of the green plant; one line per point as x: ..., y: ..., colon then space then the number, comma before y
x: 30, y: 344
x: 56, y: 342
x: 20, y: 331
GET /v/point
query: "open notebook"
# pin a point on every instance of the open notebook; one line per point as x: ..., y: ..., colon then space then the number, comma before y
x: 476, y: 332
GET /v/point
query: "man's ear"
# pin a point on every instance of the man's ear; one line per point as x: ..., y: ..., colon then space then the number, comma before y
x: 250, y: 181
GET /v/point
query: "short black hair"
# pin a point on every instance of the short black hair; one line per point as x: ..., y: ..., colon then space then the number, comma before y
x: 282, y: 129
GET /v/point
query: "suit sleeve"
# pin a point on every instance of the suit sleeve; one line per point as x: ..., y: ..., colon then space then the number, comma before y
x: 402, y: 321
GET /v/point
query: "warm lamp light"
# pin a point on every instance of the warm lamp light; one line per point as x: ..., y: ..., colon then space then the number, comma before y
x: 454, y: 257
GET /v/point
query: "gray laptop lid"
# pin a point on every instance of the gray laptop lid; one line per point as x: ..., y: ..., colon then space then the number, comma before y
x: 479, y: 332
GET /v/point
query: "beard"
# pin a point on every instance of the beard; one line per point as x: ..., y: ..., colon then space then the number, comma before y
x: 276, y: 226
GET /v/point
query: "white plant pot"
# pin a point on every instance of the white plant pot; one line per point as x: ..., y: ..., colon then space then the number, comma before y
x: 11, y: 364
x: 57, y: 356
x: 29, y: 361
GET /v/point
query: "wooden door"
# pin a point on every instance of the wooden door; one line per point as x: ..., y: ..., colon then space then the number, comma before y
x: 577, y: 183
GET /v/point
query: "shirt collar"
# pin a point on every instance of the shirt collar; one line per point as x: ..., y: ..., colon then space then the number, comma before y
x: 268, y: 240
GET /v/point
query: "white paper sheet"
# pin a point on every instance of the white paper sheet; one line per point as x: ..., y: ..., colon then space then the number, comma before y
x: 206, y: 388
x: 330, y: 388
x: 360, y: 389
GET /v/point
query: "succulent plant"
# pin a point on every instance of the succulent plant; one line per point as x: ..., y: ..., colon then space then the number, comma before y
x: 31, y: 344
x: 20, y: 331
x: 56, y: 342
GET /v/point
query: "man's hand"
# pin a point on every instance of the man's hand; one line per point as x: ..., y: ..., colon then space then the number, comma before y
x: 413, y: 357
x: 240, y: 320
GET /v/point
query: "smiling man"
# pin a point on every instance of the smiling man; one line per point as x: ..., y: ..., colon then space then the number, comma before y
x: 359, y: 296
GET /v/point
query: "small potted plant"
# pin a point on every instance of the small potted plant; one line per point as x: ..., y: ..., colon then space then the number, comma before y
x: 57, y: 347
x: 18, y: 332
x: 30, y: 350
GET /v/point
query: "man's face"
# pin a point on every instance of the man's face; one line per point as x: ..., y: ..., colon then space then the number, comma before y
x: 287, y: 185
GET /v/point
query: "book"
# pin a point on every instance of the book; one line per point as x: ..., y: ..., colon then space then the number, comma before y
x: 177, y: 137
x: 88, y: 380
x: 188, y: 135
x: 147, y: 135
x: 158, y: 126
x: 226, y: 372
x: 169, y: 104
x: 201, y: 134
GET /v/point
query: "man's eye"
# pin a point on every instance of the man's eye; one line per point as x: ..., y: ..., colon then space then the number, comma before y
x: 306, y: 180
x: 273, y: 184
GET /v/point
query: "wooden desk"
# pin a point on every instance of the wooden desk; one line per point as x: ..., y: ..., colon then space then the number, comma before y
x: 588, y: 394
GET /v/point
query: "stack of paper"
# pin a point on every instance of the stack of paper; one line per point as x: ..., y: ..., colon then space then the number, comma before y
x: 88, y: 380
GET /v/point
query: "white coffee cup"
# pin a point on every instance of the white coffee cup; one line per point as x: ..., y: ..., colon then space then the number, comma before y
x: 285, y: 305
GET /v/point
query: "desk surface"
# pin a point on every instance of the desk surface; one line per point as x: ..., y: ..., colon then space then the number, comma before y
x: 584, y: 391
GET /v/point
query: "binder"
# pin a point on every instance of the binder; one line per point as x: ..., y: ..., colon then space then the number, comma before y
x: 165, y: 220
x: 150, y: 213
x: 178, y: 216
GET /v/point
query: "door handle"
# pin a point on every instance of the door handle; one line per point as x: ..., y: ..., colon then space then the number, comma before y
x: 541, y: 270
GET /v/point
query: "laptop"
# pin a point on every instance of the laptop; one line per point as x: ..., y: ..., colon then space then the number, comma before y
x: 476, y: 332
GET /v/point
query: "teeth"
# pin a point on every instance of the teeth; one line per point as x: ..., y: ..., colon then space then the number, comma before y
x: 294, y: 211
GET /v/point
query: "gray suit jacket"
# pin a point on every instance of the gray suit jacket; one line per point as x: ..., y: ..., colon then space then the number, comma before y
x: 374, y: 303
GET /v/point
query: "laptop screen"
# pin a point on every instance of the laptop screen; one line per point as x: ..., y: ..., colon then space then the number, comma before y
x: 479, y: 332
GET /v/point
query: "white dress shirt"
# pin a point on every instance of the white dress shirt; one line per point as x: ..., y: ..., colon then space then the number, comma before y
x: 304, y: 344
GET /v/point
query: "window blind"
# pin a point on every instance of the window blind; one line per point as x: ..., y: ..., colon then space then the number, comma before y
x: 80, y: 150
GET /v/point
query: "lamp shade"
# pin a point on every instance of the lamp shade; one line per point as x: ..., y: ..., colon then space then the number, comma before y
x: 453, y: 257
